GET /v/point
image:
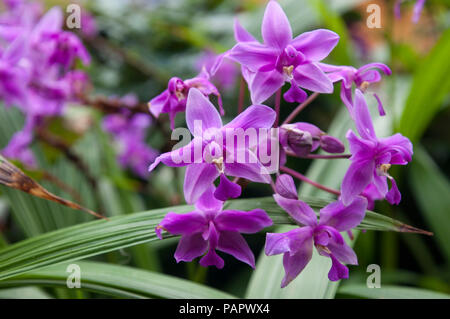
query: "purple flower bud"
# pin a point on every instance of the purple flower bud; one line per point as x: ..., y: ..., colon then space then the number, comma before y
x: 285, y: 187
x: 331, y: 144
x: 300, y: 142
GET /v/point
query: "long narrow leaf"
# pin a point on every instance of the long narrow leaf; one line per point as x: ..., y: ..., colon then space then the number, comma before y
x: 431, y: 190
x: 390, y: 292
x: 431, y: 84
x: 117, y: 281
x: 100, y: 236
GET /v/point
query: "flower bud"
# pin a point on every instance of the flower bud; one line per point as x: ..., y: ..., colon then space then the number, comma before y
x: 300, y: 142
x: 285, y: 187
x: 331, y: 144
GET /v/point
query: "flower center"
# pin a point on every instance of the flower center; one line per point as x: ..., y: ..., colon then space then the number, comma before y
x: 287, y: 71
x: 323, y: 248
x: 219, y: 164
x: 383, y: 169
x: 364, y: 85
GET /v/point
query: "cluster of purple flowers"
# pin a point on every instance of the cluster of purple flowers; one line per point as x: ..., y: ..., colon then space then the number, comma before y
x: 130, y: 131
x: 37, y: 72
x: 266, y: 67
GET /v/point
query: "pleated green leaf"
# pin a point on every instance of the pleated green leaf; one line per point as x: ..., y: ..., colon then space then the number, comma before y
x: 101, y: 236
x: 431, y: 84
x: 390, y: 292
x: 117, y: 281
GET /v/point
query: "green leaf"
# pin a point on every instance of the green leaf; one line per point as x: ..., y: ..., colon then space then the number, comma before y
x: 390, y: 292
x: 23, y: 293
x: 431, y: 191
x: 118, y: 281
x: 431, y: 84
x: 101, y: 236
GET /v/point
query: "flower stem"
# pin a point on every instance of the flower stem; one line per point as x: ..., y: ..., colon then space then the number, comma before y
x: 241, y: 95
x: 307, y: 180
x: 300, y: 108
x: 277, y: 107
x: 320, y: 156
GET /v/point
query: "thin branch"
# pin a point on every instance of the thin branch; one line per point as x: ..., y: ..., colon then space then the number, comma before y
x: 307, y: 180
x: 300, y: 108
x: 241, y: 95
x: 277, y: 107
x: 61, y: 145
x: 320, y: 156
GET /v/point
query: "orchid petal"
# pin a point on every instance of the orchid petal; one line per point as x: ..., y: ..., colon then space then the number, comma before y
x: 199, y: 110
x: 264, y: 85
x: 182, y: 156
x: 198, y: 178
x: 241, y: 34
x: 246, y: 166
x: 362, y: 117
x: 311, y: 77
x: 394, y: 196
x: 211, y: 258
x: 343, y: 217
x: 253, y: 55
x: 255, y: 116
x: 295, y: 94
x: 338, y: 271
x: 276, y: 29
x: 289, y: 242
x: 316, y: 45
x: 227, y: 189
x: 298, y: 210
x: 243, y: 222
x: 190, y: 247
x: 285, y: 186
x: 294, y: 264
x: 234, y: 244
x: 358, y: 176
x: 184, y: 224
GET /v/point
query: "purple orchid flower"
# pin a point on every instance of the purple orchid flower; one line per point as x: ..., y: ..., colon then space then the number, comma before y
x: 362, y: 77
x: 67, y: 48
x: 417, y: 11
x: 282, y: 58
x: 297, y: 244
x: 208, y: 155
x: 372, y: 157
x: 89, y: 26
x: 13, y: 77
x: 173, y: 99
x: 19, y: 145
x: 208, y: 228
x: 303, y: 138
